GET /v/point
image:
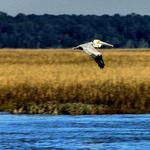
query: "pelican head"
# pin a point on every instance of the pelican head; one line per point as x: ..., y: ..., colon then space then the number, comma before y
x: 99, y: 43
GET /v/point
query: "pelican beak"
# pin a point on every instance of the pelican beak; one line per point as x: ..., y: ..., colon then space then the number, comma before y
x: 104, y: 43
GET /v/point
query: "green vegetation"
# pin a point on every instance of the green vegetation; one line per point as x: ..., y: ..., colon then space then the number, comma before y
x: 42, y: 31
x: 69, y: 82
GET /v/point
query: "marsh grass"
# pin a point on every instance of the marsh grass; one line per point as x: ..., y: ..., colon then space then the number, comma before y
x: 69, y: 82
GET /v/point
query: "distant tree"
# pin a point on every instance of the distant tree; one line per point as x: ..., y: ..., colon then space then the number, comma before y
x: 143, y: 44
x: 43, y: 31
x: 129, y: 44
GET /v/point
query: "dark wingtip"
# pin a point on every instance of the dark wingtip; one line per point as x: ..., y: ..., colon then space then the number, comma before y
x: 99, y: 61
x: 102, y: 67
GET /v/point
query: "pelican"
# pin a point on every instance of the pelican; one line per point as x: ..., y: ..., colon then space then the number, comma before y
x: 91, y: 49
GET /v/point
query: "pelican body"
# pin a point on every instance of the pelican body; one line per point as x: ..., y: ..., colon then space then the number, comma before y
x: 91, y: 49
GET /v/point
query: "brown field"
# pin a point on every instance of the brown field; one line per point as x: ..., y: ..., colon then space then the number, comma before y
x: 70, y: 82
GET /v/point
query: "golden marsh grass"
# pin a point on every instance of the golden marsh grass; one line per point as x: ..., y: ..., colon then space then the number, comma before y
x: 69, y: 82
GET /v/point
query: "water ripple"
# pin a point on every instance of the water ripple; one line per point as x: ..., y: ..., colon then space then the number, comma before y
x: 46, y: 132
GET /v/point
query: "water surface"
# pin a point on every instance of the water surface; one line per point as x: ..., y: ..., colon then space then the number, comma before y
x: 46, y: 132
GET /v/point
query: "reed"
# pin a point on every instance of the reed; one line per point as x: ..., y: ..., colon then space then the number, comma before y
x: 69, y: 82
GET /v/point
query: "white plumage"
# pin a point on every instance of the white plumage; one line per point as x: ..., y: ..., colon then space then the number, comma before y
x: 91, y: 49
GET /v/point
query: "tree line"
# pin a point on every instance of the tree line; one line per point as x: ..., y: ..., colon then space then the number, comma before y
x: 61, y: 31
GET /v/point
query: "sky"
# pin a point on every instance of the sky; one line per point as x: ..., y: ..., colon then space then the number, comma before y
x: 84, y: 7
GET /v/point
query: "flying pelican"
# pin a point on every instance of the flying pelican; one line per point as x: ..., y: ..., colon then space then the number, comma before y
x: 91, y: 49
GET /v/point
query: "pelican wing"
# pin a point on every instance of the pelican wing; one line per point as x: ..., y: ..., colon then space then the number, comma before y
x: 94, y: 53
x: 99, y: 60
x: 97, y: 56
x: 78, y: 47
x: 89, y: 49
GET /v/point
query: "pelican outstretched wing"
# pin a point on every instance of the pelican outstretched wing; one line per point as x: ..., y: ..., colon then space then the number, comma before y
x: 94, y: 53
x: 97, y: 56
x: 90, y: 49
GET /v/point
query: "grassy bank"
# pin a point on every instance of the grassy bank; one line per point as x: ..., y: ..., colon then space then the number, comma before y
x: 69, y: 82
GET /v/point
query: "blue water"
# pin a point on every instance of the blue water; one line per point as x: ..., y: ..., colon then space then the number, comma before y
x: 46, y: 132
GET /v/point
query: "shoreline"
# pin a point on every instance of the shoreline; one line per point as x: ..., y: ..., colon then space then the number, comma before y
x: 72, y: 109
